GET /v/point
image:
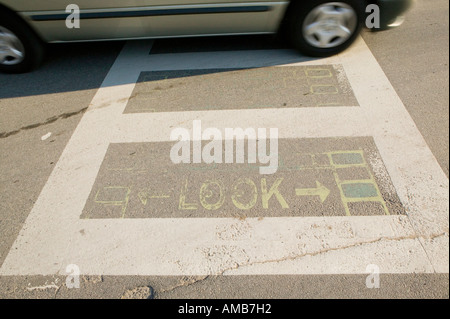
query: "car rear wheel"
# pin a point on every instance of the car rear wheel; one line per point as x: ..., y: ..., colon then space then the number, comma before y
x: 323, y: 28
x: 20, y: 49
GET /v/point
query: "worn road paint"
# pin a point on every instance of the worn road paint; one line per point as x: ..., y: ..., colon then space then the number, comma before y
x: 251, y: 88
x: 315, y: 177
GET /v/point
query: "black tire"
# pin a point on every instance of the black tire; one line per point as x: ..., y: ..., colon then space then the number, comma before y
x: 296, y: 19
x: 32, y: 45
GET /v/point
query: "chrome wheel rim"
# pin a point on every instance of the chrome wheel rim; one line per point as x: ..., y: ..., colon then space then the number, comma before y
x: 12, y: 51
x: 330, y: 25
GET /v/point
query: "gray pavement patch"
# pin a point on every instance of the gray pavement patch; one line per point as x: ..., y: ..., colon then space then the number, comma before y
x: 138, y: 293
x: 8, y: 231
x: 218, y: 89
x: 261, y: 287
x: 93, y: 279
x: 315, y: 177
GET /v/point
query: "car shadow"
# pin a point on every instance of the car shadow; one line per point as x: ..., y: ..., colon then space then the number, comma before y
x: 73, y: 67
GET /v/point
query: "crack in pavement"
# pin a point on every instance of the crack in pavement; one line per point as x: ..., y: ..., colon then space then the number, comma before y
x: 46, y: 122
x: 186, y: 283
x: 315, y: 253
x: 191, y: 281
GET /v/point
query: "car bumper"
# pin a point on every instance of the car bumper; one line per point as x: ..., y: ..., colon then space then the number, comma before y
x: 392, y: 12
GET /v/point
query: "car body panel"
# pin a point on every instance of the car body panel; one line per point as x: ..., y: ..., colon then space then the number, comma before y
x: 152, y: 19
x: 137, y: 19
x: 54, y: 5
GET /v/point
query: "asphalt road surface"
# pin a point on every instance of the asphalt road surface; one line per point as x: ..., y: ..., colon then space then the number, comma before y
x: 360, y: 192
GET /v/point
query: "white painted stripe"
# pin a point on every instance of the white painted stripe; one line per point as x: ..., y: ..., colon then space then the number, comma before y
x: 296, y: 123
x: 51, y: 237
x: 309, y: 245
x: 419, y: 180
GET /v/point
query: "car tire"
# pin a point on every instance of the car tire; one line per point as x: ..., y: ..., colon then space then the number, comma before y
x: 321, y: 28
x: 20, y: 49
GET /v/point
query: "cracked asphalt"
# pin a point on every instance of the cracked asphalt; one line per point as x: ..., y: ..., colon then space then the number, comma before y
x: 40, y: 111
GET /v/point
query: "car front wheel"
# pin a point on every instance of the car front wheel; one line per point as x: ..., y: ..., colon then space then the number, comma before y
x: 323, y: 28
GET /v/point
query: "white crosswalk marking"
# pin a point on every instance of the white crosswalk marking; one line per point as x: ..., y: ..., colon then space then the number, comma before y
x: 54, y: 236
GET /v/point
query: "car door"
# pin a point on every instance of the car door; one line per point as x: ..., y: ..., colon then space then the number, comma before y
x: 124, y: 19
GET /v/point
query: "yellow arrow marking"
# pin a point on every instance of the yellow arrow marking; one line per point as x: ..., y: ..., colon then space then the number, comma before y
x: 144, y: 196
x: 320, y: 191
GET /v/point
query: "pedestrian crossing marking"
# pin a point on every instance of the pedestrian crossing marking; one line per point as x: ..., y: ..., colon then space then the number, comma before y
x: 318, y: 73
x: 324, y: 89
x: 319, y: 183
x: 353, y: 191
x: 251, y: 88
x: 114, y: 196
x: 51, y: 238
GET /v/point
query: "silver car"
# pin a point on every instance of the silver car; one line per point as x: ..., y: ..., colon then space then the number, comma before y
x: 314, y: 27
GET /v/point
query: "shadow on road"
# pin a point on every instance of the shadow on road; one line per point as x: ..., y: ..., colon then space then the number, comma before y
x: 83, y: 66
